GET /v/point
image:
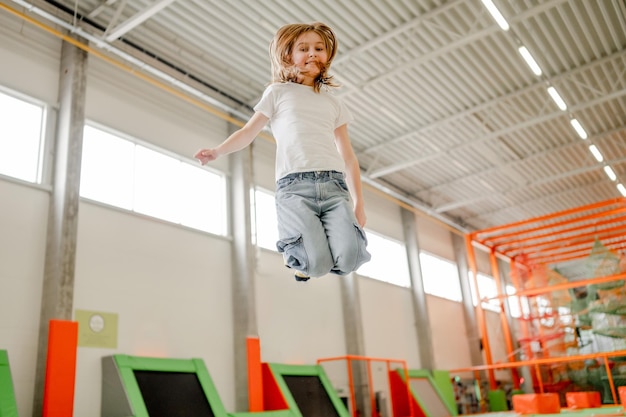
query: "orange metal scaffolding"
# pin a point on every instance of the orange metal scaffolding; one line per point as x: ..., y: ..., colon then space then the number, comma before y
x: 543, y: 242
x: 350, y: 359
x: 535, y: 364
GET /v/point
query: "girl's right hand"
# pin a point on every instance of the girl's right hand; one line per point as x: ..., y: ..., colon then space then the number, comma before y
x: 206, y: 155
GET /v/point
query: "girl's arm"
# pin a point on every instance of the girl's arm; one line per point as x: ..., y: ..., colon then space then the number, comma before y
x: 353, y: 172
x: 235, y: 142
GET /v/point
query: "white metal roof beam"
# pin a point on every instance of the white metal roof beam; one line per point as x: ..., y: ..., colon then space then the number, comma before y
x: 116, y: 16
x: 490, y: 103
x: 95, y: 12
x: 462, y: 203
x: 527, y: 123
x: 469, y: 38
x: 356, y: 51
x: 520, y: 162
x: 137, y: 19
x: 523, y: 205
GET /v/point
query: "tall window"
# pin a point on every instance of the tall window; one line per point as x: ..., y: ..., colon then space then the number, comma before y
x: 264, y: 222
x: 487, y: 288
x: 21, y: 138
x: 126, y: 174
x: 389, y: 260
x: 441, y: 277
x: 517, y: 306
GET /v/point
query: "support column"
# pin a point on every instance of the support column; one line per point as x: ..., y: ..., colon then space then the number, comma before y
x: 352, y: 320
x: 58, y: 281
x: 244, y: 304
x: 504, y: 322
x: 524, y: 327
x: 469, y: 316
x: 355, y: 344
x: 418, y: 295
x: 480, y: 313
x: 508, y: 323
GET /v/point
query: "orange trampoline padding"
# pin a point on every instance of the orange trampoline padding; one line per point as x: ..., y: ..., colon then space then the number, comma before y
x: 583, y: 399
x: 547, y: 403
x: 58, y: 398
x: 622, y: 395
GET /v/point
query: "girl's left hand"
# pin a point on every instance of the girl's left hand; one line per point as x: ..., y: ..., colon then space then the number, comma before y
x: 359, y: 212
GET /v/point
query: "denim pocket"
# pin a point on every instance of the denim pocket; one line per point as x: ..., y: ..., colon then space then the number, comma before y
x: 294, y: 253
x: 364, y: 255
x: 341, y: 184
x: 285, y: 182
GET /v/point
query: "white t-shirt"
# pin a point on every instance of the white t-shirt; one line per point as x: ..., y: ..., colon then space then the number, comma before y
x: 303, y: 123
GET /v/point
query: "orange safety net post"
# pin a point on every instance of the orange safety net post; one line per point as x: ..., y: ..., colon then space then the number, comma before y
x: 58, y: 398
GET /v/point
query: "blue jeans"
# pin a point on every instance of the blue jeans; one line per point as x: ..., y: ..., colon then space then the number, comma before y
x: 317, y: 229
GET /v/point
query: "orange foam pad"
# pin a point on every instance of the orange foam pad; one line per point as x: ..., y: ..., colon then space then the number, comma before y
x: 58, y: 399
x: 536, y: 403
x: 583, y: 399
x: 622, y: 395
x: 255, y: 375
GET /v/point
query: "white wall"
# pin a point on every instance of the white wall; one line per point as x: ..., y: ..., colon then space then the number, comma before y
x: 434, y: 237
x: 22, y: 249
x: 29, y: 59
x: 388, y: 322
x: 383, y: 215
x: 449, y: 333
x: 496, y: 342
x: 130, y: 105
x: 169, y: 285
x: 297, y: 322
x: 29, y: 63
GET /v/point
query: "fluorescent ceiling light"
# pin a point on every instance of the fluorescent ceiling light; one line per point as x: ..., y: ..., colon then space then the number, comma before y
x: 530, y: 60
x: 557, y: 98
x: 610, y: 173
x: 495, y: 13
x: 578, y: 128
x: 596, y: 153
x: 621, y: 189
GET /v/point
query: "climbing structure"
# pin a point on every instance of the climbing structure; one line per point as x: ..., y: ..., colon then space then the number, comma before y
x: 569, y: 272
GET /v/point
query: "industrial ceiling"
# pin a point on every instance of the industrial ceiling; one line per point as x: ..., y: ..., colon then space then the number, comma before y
x: 450, y: 118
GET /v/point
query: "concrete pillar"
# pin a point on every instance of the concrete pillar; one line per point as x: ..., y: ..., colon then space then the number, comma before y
x: 355, y: 345
x: 58, y: 281
x: 418, y: 295
x: 244, y: 305
x: 352, y: 320
x: 509, y: 328
x: 469, y: 316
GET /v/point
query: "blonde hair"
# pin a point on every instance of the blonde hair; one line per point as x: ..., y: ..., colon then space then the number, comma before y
x: 281, y: 48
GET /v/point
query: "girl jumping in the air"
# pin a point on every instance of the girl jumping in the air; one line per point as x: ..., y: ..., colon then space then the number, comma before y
x: 319, y: 201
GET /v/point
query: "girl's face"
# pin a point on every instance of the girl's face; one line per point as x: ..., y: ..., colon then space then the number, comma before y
x: 309, y: 55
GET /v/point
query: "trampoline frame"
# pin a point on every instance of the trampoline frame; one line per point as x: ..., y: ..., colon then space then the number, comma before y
x: 280, y: 370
